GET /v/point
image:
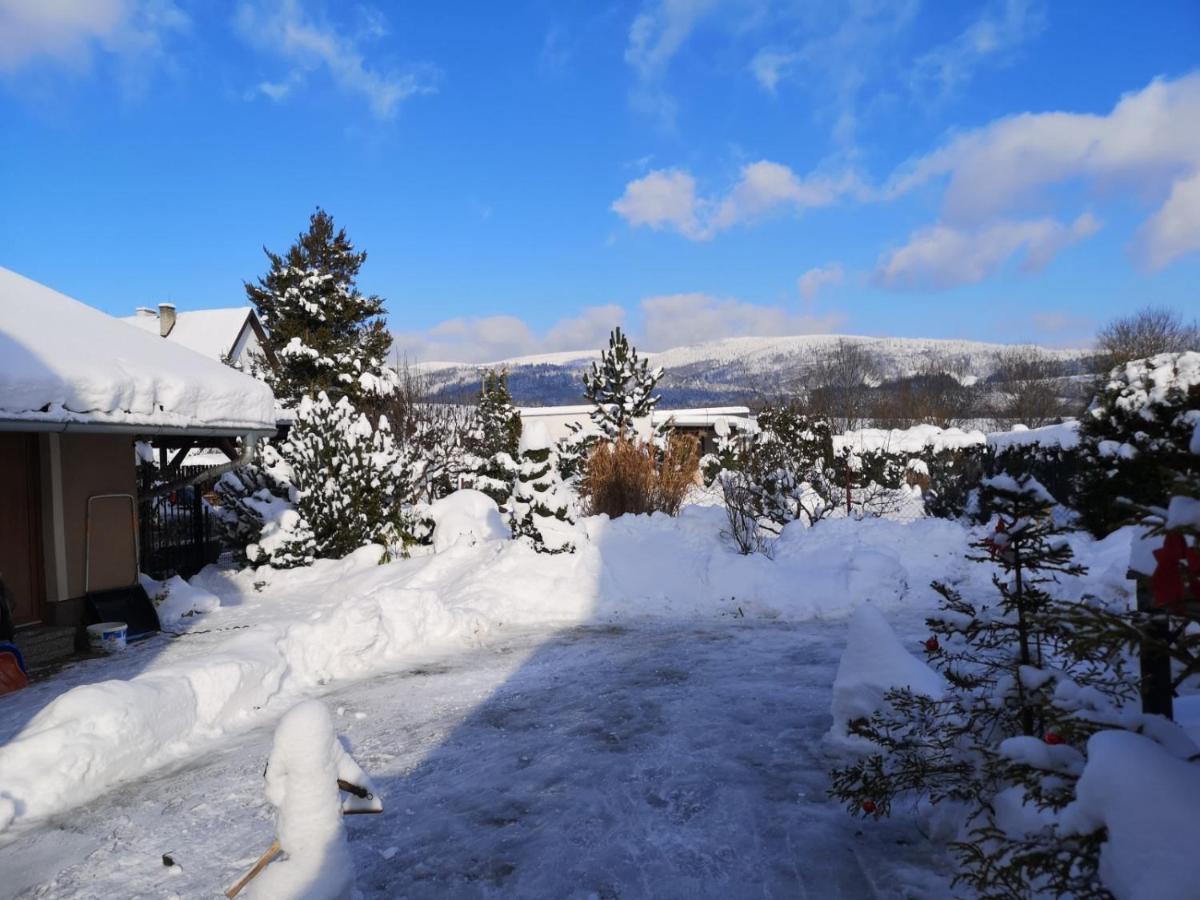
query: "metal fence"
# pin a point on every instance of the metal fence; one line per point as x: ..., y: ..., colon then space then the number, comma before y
x: 176, y: 534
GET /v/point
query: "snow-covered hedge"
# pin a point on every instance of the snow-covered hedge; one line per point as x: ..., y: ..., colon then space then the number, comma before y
x: 1135, y: 437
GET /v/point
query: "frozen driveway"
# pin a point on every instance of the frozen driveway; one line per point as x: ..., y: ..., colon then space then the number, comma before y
x: 654, y: 761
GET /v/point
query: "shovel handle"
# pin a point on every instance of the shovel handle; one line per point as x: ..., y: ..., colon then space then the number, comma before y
x: 262, y: 863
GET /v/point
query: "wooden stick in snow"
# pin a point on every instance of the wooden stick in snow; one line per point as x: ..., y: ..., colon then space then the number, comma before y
x: 263, y: 862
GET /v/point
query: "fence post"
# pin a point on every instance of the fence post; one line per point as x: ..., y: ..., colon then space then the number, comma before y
x: 197, y: 529
x: 1153, y: 655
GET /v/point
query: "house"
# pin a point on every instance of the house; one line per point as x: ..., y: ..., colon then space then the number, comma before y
x: 706, y: 423
x: 232, y: 335
x: 77, y: 389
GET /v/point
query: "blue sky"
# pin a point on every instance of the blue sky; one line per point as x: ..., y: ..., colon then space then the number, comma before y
x: 526, y: 175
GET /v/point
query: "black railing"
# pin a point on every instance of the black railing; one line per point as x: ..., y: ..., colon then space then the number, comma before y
x: 176, y: 534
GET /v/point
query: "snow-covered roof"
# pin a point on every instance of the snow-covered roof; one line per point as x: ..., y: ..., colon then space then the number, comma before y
x: 579, y: 410
x: 213, y: 332
x: 63, y: 362
x: 699, y: 417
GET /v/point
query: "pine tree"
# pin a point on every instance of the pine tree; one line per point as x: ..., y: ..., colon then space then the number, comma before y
x: 541, y: 504
x: 1005, y: 741
x: 491, y: 442
x: 326, y: 335
x: 346, y: 476
x: 621, y: 387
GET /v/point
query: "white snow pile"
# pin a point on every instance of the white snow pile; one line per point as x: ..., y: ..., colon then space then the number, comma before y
x: 1064, y: 435
x: 534, y: 437
x: 1147, y: 799
x: 175, y: 599
x: 303, y: 769
x: 917, y: 439
x: 50, y: 370
x: 466, y: 516
x: 874, y: 662
x: 282, y: 635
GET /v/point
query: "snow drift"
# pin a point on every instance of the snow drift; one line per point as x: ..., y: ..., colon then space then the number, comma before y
x: 301, y: 629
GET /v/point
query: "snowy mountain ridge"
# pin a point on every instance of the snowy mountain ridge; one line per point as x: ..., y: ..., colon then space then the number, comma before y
x: 735, y: 368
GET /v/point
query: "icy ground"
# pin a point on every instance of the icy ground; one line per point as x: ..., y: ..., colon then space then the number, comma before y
x: 664, y: 760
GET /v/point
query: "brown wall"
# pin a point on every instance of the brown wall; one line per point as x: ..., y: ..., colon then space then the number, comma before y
x: 95, y: 464
x: 20, y: 527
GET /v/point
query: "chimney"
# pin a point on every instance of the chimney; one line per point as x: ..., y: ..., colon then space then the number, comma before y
x: 166, y: 318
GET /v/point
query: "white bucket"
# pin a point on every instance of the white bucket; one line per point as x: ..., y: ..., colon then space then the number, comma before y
x: 107, y: 637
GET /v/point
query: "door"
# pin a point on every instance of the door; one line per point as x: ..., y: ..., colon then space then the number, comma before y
x: 20, y: 526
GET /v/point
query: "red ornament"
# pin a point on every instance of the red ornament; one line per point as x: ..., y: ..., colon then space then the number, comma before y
x: 1053, y: 738
x: 1167, y: 583
x: 868, y: 806
x: 996, y: 547
x: 932, y: 645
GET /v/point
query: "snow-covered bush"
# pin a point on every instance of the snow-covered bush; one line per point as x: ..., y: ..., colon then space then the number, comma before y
x: 1135, y: 435
x: 785, y: 472
x: 466, y: 516
x: 257, y: 516
x: 573, y: 449
x: 1005, y: 741
x: 540, y: 508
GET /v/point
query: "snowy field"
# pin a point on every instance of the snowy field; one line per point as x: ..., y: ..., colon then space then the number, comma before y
x: 645, y: 717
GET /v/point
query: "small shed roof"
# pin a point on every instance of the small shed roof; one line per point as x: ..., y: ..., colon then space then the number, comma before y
x: 65, y: 364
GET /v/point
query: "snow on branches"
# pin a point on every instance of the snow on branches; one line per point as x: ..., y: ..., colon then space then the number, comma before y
x: 621, y: 387
x: 326, y: 335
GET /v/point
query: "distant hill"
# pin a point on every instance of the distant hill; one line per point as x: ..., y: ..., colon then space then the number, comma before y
x: 733, y: 370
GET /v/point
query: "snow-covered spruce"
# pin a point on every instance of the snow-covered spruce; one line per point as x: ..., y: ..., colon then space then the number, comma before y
x: 1004, y: 741
x: 490, y: 444
x: 345, y: 474
x: 325, y: 334
x: 621, y: 388
x: 541, y: 507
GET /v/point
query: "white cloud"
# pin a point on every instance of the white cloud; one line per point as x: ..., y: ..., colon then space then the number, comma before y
x: 677, y: 320
x: 491, y: 338
x: 814, y: 280
x: 663, y: 199
x: 308, y: 43
x: 68, y: 32
x: 843, y: 52
x: 1149, y: 142
x: 997, y: 182
x: 1000, y: 29
x: 666, y: 321
x: 666, y: 198
x: 1174, y: 230
x: 943, y: 256
x: 769, y: 66
x: 659, y: 31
